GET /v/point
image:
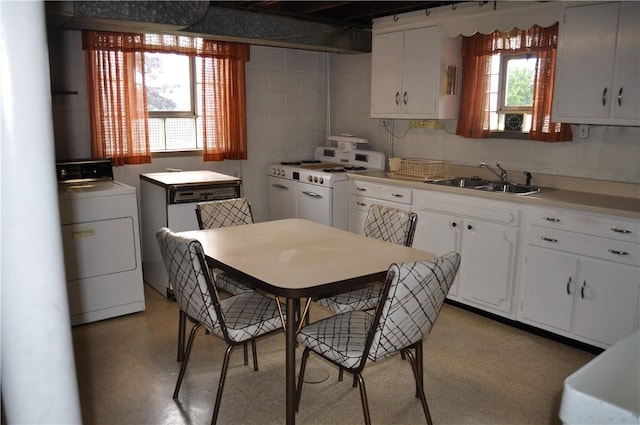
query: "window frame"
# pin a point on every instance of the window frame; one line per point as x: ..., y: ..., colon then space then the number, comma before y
x: 502, y: 87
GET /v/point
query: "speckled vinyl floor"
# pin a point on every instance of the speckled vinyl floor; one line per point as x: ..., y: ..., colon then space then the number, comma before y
x: 477, y: 371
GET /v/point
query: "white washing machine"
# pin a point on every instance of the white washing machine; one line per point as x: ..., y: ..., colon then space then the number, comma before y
x: 100, y: 233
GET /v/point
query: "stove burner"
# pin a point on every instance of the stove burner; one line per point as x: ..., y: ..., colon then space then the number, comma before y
x: 311, y: 161
x: 290, y: 163
x: 354, y: 168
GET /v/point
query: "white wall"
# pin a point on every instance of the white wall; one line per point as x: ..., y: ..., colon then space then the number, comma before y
x: 609, y: 153
x: 286, y: 104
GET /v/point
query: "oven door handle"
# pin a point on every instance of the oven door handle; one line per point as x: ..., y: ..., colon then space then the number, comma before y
x: 312, y: 194
x: 280, y: 186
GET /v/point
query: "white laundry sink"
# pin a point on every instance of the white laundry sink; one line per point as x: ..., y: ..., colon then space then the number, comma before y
x: 607, y: 389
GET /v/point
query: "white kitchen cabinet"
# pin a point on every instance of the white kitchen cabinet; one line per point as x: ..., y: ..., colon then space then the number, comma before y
x: 485, y: 233
x: 581, y: 277
x: 363, y: 194
x: 598, y: 65
x: 407, y: 73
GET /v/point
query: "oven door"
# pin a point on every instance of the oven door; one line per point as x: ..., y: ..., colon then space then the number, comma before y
x: 315, y: 203
x: 282, y: 198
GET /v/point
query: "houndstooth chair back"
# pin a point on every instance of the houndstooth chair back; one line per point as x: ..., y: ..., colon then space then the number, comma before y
x: 390, y: 224
x: 184, y: 259
x: 415, y: 297
x: 228, y: 212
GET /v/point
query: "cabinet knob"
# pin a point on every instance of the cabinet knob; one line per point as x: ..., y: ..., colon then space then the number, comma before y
x: 584, y: 283
x: 397, y: 98
x: 569, y: 286
x: 470, y: 227
x: 405, y: 98
x: 454, y: 224
x: 604, y: 96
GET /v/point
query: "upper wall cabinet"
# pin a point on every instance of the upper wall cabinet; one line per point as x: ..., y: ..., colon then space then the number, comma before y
x: 408, y: 74
x: 598, y: 65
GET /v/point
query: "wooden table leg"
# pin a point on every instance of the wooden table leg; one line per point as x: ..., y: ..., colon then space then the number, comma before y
x: 290, y: 364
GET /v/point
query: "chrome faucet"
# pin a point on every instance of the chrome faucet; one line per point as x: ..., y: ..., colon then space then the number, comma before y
x: 502, y: 175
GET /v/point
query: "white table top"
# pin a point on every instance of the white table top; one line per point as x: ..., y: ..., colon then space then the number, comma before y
x: 296, y: 257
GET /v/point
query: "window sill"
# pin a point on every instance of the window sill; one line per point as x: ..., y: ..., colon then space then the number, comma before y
x: 509, y: 135
x: 177, y: 153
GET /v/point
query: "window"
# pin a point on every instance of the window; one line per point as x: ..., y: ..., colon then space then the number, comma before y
x: 511, y: 92
x: 191, y: 95
x: 172, y: 90
x: 507, y: 85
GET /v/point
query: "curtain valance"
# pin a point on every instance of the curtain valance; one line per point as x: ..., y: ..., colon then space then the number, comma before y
x: 164, y: 43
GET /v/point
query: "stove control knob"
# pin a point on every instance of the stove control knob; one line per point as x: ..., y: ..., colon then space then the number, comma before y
x: 310, y: 179
x: 321, y: 180
x: 315, y: 179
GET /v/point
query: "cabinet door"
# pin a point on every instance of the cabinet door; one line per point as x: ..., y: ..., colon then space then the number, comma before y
x: 488, y: 263
x: 440, y: 234
x: 420, y: 72
x: 549, y: 287
x: 584, y: 69
x: 386, y: 74
x: 606, y: 301
x: 626, y: 95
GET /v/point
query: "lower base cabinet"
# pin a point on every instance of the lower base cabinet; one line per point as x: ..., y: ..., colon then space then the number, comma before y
x: 485, y: 233
x: 578, y: 283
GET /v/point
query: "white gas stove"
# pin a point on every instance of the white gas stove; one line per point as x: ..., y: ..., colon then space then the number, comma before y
x: 317, y: 189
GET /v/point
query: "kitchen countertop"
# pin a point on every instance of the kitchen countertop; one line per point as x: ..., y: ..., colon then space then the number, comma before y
x: 559, y: 198
x: 189, y: 178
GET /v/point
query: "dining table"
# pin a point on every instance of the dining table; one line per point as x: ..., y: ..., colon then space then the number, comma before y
x: 297, y: 259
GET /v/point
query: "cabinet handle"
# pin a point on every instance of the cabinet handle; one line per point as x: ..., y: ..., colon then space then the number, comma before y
x: 362, y: 204
x: 405, y: 98
x: 397, y: 195
x: 620, y: 97
x: 555, y: 220
x: 312, y: 194
x: 397, y: 98
x: 604, y: 96
x: 569, y: 286
x: 615, y: 229
x: 546, y: 239
x: 361, y: 189
x: 584, y: 283
x: 615, y: 251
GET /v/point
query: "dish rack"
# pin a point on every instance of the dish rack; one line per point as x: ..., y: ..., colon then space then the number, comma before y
x: 423, y: 168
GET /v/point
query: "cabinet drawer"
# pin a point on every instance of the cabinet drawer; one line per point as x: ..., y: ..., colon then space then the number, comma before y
x: 401, y: 195
x: 363, y: 203
x: 622, y: 229
x: 493, y: 211
x: 587, y: 245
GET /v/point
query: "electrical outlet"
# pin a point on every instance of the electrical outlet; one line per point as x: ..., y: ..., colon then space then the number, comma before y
x: 583, y: 131
x: 416, y: 124
x: 428, y: 124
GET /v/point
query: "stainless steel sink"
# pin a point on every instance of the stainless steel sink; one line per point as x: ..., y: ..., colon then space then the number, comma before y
x: 491, y: 186
x: 468, y: 182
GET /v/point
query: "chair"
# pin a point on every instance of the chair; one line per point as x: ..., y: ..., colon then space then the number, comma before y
x: 228, y: 212
x: 238, y: 319
x: 412, y: 296
x: 385, y: 223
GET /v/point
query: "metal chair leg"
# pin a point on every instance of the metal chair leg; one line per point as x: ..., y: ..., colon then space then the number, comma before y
x: 246, y: 354
x: 185, y: 359
x: 340, y: 374
x: 223, y: 376
x: 182, y: 325
x: 303, y: 365
x: 363, y: 397
x: 419, y: 386
x: 254, y: 352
